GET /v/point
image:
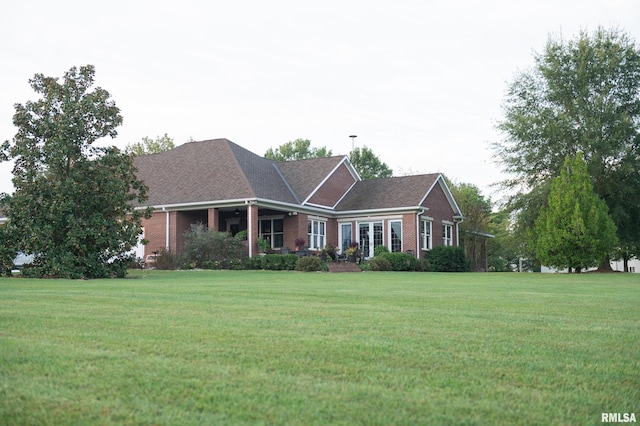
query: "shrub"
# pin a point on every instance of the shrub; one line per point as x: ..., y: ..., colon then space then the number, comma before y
x: 310, y: 264
x: 378, y: 250
x: 447, y: 259
x: 167, y: 260
x: 279, y: 262
x: 387, y: 261
x: 211, y: 249
x: 379, y: 263
x: 401, y: 261
x: 253, y: 263
x: 423, y: 265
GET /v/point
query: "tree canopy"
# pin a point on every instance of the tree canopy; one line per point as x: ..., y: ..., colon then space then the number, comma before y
x: 300, y: 149
x: 71, y: 207
x: 151, y: 146
x: 574, y: 229
x: 366, y: 163
x: 369, y: 165
x: 582, y: 95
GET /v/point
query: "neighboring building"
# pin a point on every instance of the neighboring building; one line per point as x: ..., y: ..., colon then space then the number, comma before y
x: 616, y: 265
x: 321, y: 200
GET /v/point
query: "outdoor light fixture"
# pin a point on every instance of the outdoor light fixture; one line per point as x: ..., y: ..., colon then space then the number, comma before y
x: 236, y: 211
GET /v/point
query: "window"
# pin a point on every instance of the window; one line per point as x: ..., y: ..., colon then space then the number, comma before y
x: 395, y: 228
x: 317, y: 234
x: 425, y: 233
x: 273, y: 231
x: 447, y: 239
x: 345, y: 236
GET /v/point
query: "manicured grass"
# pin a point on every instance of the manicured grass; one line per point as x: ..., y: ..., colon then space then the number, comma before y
x: 255, y: 347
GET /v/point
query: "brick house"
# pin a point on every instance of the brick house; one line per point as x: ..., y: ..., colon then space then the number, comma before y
x: 322, y: 201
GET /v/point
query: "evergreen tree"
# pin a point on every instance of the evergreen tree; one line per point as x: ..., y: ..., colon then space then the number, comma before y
x: 582, y: 95
x: 574, y: 229
x: 72, y: 205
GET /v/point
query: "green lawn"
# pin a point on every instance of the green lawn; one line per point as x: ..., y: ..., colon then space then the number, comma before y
x: 255, y: 347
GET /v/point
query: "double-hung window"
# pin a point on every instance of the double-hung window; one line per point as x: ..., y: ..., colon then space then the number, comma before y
x: 317, y: 234
x: 447, y: 234
x: 425, y: 234
x: 395, y: 227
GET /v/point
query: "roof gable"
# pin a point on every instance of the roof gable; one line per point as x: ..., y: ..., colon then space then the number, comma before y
x: 209, y: 171
x: 218, y: 170
x: 306, y: 176
x: 395, y: 192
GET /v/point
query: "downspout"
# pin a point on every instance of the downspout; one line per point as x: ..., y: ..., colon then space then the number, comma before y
x: 167, y: 228
x: 250, y: 226
x: 418, y: 235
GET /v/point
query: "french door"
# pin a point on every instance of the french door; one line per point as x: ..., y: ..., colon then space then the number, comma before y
x: 370, y: 236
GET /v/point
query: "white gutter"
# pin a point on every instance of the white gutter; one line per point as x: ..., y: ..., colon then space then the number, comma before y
x: 418, y: 234
x: 199, y: 204
x: 167, y: 229
x: 250, y: 230
x: 379, y: 211
x: 327, y: 177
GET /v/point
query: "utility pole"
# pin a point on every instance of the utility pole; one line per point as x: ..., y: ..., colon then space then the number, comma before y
x: 353, y: 144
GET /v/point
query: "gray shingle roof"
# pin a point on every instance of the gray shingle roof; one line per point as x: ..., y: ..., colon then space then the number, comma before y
x: 304, y: 176
x: 219, y: 170
x: 405, y: 191
x: 212, y: 170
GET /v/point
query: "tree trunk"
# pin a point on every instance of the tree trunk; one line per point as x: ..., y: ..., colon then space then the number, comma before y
x: 605, y: 266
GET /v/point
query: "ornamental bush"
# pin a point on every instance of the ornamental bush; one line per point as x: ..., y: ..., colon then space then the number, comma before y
x: 279, y: 262
x: 387, y: 261
x: 447, y: 259
x: 310, y: 264
x: 211, y: 249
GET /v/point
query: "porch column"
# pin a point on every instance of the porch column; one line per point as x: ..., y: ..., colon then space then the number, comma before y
x: 483, y: 256
x: 252, y: 228
x: 213, y: 222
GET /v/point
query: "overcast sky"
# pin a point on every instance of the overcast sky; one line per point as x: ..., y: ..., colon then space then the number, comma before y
x: 419, y: 82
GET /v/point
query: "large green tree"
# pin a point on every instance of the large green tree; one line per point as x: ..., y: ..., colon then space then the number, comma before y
x: 369, y: 165
x: 483, y: 231
x: 477, y: 215
x: 151, y: 146
x: 574, y: 229
x: 72, y: 204
x: 582, y: 95
x: 300, y: 149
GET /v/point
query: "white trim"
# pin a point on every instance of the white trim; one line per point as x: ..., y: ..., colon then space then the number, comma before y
x: 320, y: 206
x: 389, y: 238
x: 167, y: 240
x: 307, y: 209
x: 346, y: 193
x: 341, y: 236
x: 418, y: 242
x: 250, y: 230
x: 430, y: 238
x: 447, y: 193
x: 310, y: 221
x: 326, y: 178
